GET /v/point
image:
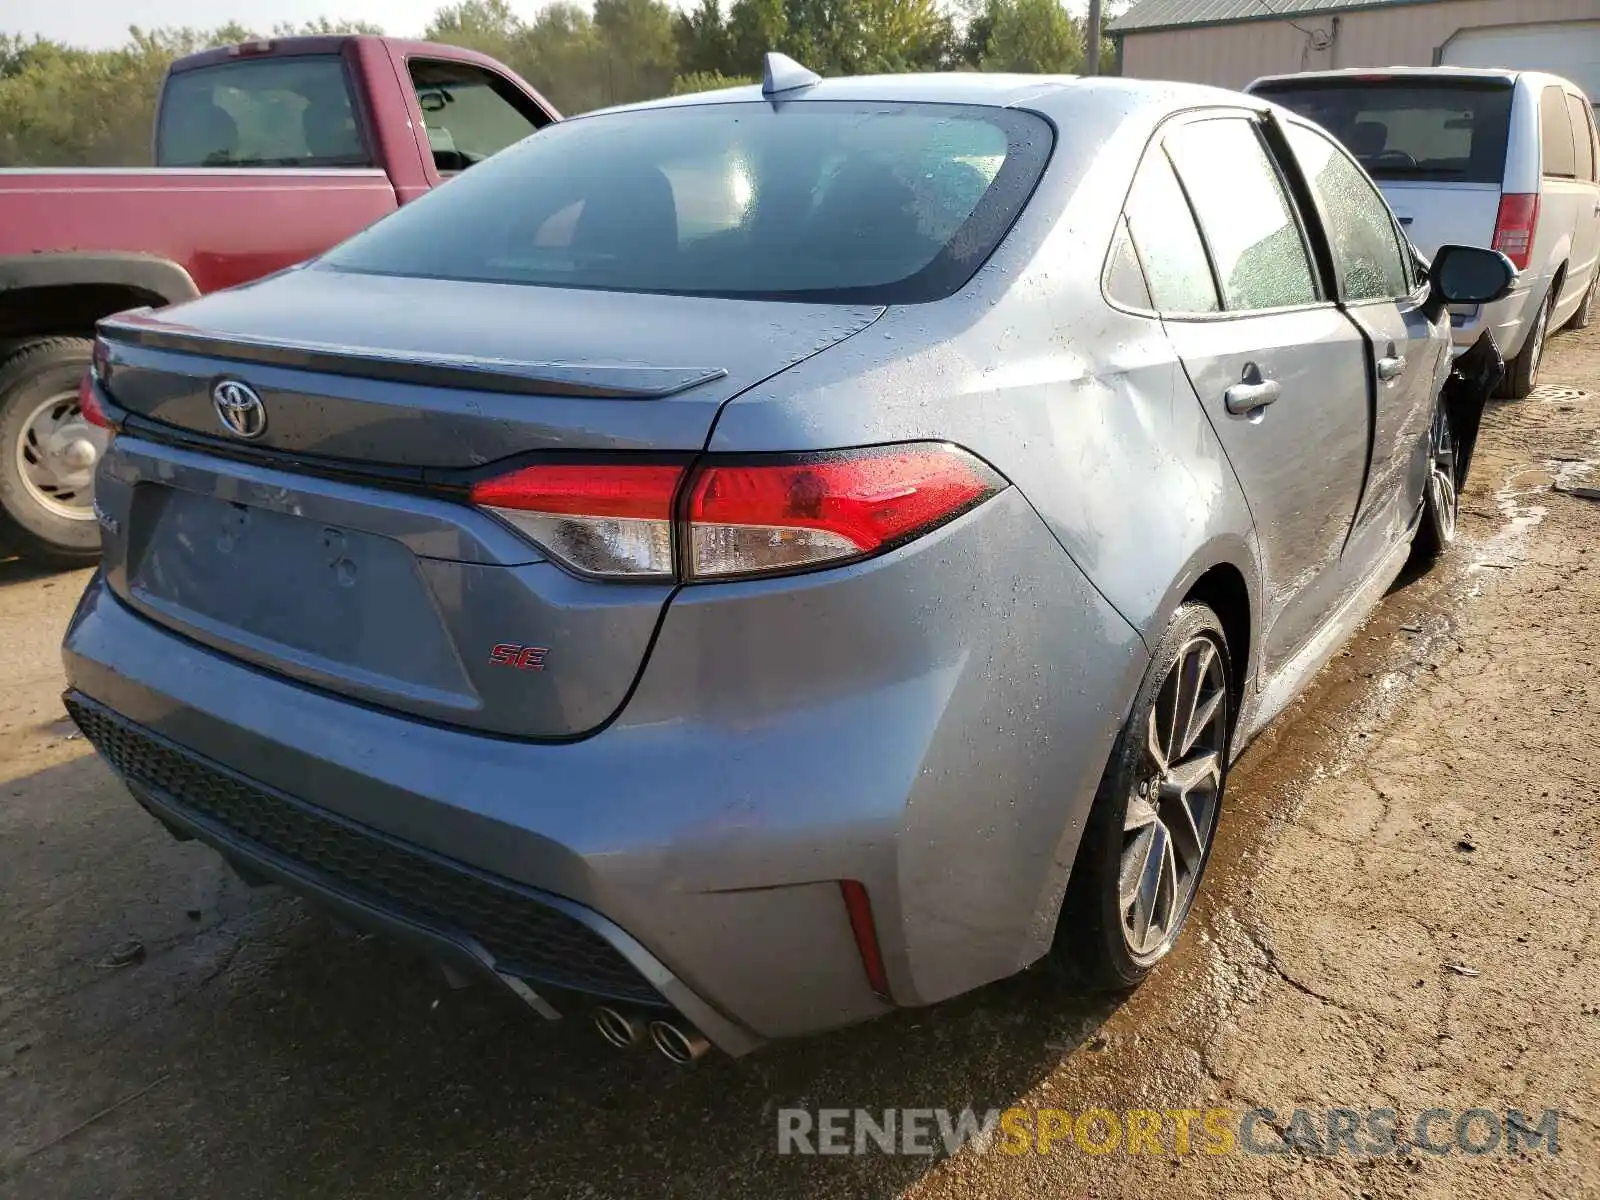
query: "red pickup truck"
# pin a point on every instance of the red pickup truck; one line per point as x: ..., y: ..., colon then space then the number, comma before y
x: 266, y: 153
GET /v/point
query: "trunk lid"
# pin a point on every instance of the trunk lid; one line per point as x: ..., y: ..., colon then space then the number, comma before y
x: 333, y: 549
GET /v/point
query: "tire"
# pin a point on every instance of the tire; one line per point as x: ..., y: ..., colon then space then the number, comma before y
x: 1441, y: 496
x: 1585, y: 313
x: 1522, y: 372
x: 45, y: 507
x: 1097, y: 938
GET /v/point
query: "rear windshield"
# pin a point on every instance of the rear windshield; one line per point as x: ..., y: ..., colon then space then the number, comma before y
x: 1451, y: 132
x: 267, y: 112
x: 822, y: 201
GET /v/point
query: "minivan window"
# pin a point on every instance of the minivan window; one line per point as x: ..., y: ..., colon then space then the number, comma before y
x: 267, y: 112
x: 1452, y: 131
x: 1557, y: 154
x: 1582, y: 136
x: 1244, y: 215
x: 824, y: 201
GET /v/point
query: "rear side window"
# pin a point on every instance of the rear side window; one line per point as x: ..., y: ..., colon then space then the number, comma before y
x: 1453, y: 131
x: 1168, y: 242
x: 1558, y: 156
x: 823, y: 201
x: 1582, y: 136
x: 1244, y: 213
x: 469, y: 113
x: 268, y: 112
x: 1124, y: 279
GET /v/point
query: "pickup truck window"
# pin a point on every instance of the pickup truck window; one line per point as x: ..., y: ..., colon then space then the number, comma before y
x: 274, y: 112
x: 469, y: 113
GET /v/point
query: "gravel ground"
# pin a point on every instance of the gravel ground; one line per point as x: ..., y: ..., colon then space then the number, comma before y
x: 1403, y: 913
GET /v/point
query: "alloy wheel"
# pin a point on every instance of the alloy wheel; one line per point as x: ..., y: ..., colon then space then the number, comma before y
x: 56, y: 456
x: 1171, y: 815
x: 1443, y: 497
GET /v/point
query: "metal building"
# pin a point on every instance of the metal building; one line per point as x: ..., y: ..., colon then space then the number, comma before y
x: 1231, y: 42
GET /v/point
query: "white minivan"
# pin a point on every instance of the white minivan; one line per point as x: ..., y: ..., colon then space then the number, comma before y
x: 1478, y: 157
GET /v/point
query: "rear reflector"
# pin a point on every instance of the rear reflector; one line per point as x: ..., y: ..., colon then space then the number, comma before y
x: 745, y: 516
x: 1514, y: 226
x: 89, y: 403
x: 606, y: 520
x: 859, y: 907
x: 784, y: 515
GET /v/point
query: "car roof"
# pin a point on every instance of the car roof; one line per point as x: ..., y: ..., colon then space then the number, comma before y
x: 1048, y: 94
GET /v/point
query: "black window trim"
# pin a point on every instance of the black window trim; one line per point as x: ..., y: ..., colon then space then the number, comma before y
x: 358, y: 109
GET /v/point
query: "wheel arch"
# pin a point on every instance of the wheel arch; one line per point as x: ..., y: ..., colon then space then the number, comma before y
x: 64, y: 294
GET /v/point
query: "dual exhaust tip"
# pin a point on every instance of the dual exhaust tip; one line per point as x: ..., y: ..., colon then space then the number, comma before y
x: 682, y: 1044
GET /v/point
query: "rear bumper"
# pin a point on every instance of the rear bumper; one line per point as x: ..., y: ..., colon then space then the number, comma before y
x: 784, y: 735
x: 1508, y: 318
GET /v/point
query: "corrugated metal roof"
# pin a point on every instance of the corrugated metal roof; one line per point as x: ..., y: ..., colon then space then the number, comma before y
x: 1166, y: 14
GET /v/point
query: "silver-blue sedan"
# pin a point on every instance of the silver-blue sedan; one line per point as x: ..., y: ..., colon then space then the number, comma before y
x: 743, y: 563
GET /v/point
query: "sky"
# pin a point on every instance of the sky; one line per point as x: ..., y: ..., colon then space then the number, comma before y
x: 103, y: 23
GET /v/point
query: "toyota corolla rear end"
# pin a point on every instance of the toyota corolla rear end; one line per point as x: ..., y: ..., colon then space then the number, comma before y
x: 422, y: 594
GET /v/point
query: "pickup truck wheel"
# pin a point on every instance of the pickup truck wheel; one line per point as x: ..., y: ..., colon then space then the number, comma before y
x: 48, y: 454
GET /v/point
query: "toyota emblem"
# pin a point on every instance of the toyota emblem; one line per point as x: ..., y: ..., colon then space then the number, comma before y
x: 239, y: 408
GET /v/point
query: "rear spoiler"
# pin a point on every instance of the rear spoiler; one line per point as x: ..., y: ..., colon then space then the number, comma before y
x: 610, y: 381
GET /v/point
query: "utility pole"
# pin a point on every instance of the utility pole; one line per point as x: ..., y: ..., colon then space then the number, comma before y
x: 1091, y: 39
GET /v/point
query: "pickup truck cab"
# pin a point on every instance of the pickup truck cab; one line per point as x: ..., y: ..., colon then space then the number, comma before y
x: 1478, y: 157
x: 266, y: 154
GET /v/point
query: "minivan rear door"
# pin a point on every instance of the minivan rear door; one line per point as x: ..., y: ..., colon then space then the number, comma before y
x: 1436, y: 147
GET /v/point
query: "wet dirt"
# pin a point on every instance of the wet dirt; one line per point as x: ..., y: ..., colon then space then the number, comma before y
x: 1402, y: 911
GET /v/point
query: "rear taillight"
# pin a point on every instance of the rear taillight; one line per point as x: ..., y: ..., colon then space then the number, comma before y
x: 757, y: 517
x: 1514, y: 226
x: 744, y: 516
x: 609, y: 520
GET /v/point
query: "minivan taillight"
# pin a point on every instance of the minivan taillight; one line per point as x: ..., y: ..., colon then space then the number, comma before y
x: 1514, y: 226
x: 740, y: 515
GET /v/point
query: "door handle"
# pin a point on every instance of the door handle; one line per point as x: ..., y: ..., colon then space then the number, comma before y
x: 1244, y: 398
x: 1392, y: 366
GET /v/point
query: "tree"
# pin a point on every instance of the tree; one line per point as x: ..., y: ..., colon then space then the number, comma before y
x: 1032, y: 36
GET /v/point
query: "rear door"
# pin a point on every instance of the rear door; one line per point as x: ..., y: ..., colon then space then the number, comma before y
x: 1280, y: 371
x: 1436, y: 147
x: 1380, y: 289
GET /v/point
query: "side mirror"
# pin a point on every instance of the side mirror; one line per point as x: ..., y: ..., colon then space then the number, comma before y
x: 1470, y: 275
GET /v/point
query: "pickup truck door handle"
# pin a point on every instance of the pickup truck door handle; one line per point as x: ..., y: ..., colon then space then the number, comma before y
x: 1250, y: 394
x: 1392, y: 366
